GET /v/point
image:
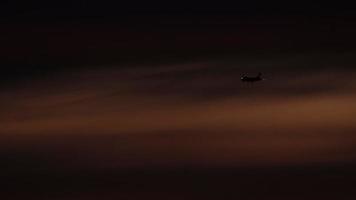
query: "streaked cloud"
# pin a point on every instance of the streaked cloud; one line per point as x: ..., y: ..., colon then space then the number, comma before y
x: 212, y: 117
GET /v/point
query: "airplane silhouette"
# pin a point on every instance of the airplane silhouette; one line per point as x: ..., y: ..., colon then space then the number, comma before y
x: 251, y: 79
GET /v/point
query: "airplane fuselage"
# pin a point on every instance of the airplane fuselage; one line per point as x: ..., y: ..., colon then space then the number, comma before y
x: 251, y: 79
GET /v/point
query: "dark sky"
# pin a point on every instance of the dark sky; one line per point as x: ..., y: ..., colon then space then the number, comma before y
x: 42, y: 36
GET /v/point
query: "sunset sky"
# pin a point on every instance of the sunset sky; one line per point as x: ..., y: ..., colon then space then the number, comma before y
x: 148, y: 103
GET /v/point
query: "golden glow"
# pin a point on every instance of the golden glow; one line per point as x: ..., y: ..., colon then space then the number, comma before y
x: 162, y: 128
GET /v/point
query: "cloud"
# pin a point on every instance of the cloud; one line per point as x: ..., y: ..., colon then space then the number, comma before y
x: 212, y: 116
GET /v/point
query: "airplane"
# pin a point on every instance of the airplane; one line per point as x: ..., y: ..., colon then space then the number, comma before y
x: 252, y: 79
